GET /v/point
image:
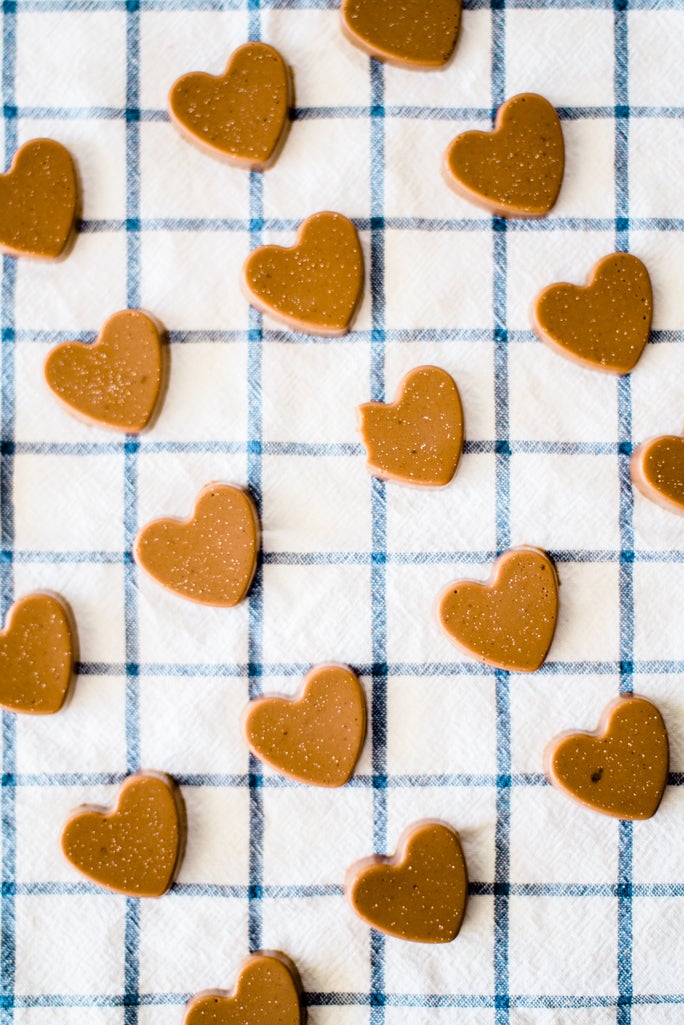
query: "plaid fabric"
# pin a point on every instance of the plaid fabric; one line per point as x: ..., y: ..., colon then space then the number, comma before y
x: 574, y: 919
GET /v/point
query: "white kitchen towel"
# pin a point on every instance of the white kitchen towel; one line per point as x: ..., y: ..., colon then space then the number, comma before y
x: 574, y: 919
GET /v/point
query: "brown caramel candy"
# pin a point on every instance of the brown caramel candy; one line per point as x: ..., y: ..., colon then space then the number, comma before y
x: 268, y: 991
x: 420, y: 893
x: 516, y: 170
x: 241, y: 116
x: 509, y: 622
x: 117, y: 380
x: 315, y: 737
x: 209, y: 558
x: 657, y: 469
x: 38, y: 201
x: 621, y: 769
x: 418, y: 34
x: 136, y: 847
x: 314, y: 286
x: 418, y: 439
x: 37, y: 653
x: 604, y: 324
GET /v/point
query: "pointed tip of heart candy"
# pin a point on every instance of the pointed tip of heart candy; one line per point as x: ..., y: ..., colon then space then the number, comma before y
x: 38, y: 654
x: 620, y: 769
x: 267, y: 987
x: 136, y: 845
x: 417, y: 35
x: 657, y: 471
x: 39, y: 202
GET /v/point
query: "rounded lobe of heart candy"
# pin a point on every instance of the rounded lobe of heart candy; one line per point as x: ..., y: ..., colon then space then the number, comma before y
x: 418, y: 439
x: 268, y: 991
x: 209, y: 558
x: 38, y: 201
x: 241, y: 116
x: 515, y: 170
x: 621, y: 769
x: 315, y: 737
x: 418, y: 894
x: 314, y: 286
x: 657, y: 470
x: 604, y: 324
x: 37, y: 655
x: 115, y: 382
x: 508, y: 622
x: 413, y: 34
x: 136, y: 847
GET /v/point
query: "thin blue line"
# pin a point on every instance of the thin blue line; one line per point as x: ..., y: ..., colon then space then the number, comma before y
x: 378, y: 584
x: 323, y: 5
x: 7, y: 527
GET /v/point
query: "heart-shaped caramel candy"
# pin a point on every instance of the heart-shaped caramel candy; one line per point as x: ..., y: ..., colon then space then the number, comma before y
x: 314, y: 286
x: 516, y: 170
x: 37, y: 654
x: 657, y: 469
x: 418, y: 439
x: 116, y: 381
x: 418, y: 34
x: 420, y: 893
x: 268, y: 991
x: 315, y: 737
x: 509, y: 622
x: 136, y: 847
x: 38, y: 201
x: 209, y: 558
x: 604, y: 324
x: 621, y: 769
x: 240, y: 116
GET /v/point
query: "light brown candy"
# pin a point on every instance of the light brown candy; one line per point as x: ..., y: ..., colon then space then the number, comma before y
x: 418, y: 34
x: 117, y: 380
x: 418, y: 439
x: 657, y: 469
x: 314, y: 286
x: 315, y: 737
x: 136, y: 847
x: 38, y: 201
x: 619, y: 770
x: 418, y: 894
x: 604, y: 324
x: 209, y: 558
x: 508, y: 622
x: 37, y: 654
x: 241, y: 116
x: 516, y: 170
x: 268, y: 991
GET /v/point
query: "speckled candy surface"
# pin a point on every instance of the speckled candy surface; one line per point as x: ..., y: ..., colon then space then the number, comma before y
x: 510, y: 621
x: 621, y: 769
x: 38, y: 201
x: 418, y: 439
x: 241, y: 116
x: 37, y: 651
x: 657, y: 469
x: 418, y: 34
x: 136, y: 847
x: 420, y: 893
x: 209, y: 558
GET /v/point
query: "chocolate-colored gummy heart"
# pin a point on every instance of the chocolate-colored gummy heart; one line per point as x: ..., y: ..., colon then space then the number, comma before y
x: 38, y: 201
x: 418, y: 34
x: 418, y: 439
x: 37, y: 653
x: 209, y: 558
x: 136, y: 847
x: 241, y: 116
x: 516, y: 170
x: 621, y: 769
x: 268, y: 991
x: 418, y: 894
x: 314, y: 286
x: 315, y: 737
x: 657, y: 469
x: 604, y: 324
x: 117, y: 380
x: 508, y: 622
